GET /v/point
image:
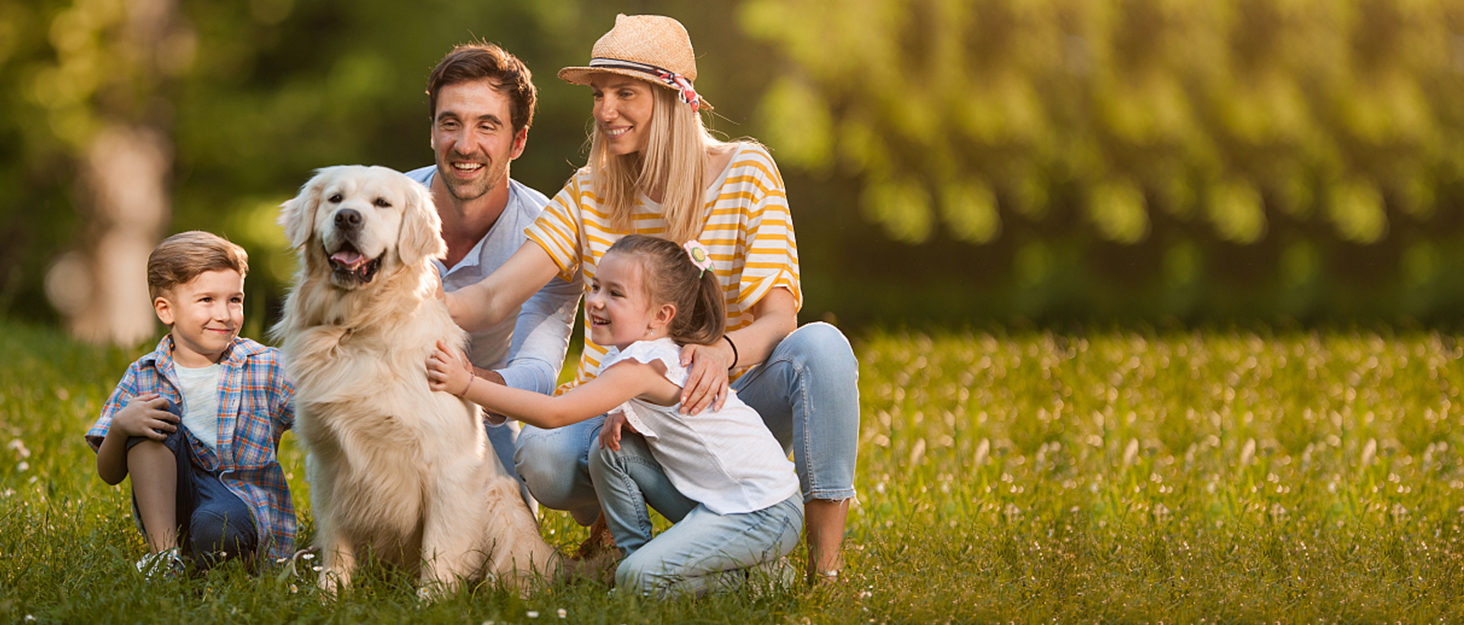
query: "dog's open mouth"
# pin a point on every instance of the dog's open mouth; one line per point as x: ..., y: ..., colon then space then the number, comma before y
x: 351, y: 267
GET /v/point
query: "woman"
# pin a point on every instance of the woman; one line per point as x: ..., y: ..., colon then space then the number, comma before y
x: 654, y: 169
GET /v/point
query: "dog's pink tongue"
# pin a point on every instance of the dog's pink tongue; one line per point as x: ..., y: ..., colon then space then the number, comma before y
x: 349, y: 259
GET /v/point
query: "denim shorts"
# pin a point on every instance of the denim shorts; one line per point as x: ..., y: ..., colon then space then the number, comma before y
x: 215, y: 525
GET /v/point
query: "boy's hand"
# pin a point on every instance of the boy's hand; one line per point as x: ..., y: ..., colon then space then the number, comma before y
x: 448, y: 370
x: 146, y: 415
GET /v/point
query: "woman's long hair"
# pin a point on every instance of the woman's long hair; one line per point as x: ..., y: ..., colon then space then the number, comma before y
x: 673, y: 167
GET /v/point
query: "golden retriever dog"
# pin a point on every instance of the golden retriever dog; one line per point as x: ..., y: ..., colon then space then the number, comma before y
x: 396, y: 470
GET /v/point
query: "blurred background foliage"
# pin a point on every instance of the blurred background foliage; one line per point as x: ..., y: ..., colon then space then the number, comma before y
x: 946, y: 159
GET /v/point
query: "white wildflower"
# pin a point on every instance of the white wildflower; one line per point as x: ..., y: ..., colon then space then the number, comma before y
x: 19, y: 447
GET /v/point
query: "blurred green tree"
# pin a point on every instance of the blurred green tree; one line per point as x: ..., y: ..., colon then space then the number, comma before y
x: 1236, y: 112
x: 956, y: 158
x: 1249, y: 123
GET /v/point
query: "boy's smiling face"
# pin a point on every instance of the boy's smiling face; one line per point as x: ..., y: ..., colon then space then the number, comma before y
x: 205, y: 315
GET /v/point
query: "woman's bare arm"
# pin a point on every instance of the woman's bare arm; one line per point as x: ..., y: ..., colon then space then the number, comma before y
x: 489, y: 302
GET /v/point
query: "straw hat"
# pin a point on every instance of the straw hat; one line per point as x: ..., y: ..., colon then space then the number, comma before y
x: 653, y: 48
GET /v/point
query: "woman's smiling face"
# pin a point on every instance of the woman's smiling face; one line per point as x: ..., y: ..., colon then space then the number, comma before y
x: 623, y: 109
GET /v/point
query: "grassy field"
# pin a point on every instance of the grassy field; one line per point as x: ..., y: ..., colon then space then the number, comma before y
x: 1116, y: 476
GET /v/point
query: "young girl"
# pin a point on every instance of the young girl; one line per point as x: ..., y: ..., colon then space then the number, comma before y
x: 720, y: 476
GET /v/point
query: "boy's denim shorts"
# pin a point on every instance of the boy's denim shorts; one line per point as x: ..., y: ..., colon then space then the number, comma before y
x: 215, y: 524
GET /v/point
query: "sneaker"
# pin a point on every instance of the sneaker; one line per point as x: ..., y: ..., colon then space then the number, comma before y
x: 163, y: 564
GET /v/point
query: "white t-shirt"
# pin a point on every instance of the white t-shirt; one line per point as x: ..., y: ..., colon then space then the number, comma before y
x: 200, y: 390
x: 724, y: 459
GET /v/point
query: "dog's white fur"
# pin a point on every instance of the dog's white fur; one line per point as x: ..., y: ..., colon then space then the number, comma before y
x: 396, y: 469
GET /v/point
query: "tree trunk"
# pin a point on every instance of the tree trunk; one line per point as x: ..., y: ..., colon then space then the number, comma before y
x: 123, y: 186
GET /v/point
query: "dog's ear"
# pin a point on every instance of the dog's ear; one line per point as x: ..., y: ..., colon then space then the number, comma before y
x: 420, y: 235
x: 297, y: 215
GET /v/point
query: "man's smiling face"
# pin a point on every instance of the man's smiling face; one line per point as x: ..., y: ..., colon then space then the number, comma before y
x: 473, y: 138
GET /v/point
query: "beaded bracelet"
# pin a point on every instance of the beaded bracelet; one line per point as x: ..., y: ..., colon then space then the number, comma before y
x: 472, y: 375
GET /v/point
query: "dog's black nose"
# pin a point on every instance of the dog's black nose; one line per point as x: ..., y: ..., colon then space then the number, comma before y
x: 348, y: 218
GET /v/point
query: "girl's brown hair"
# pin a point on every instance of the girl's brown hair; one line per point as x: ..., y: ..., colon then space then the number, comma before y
x: 671, y: 278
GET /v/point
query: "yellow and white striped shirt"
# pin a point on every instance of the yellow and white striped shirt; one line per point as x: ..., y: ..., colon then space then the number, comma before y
x: 748, y: 232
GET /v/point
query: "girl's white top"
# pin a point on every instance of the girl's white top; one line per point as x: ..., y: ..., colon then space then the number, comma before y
x: 201, y: 402
x: 724, y: 459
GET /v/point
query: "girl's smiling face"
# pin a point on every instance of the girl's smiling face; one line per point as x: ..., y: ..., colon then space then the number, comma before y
x: 619, y: 308
x: 623, y: 107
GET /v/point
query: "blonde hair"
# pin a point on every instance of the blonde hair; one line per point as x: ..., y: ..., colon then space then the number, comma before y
x: 184, y: 256
x: 673, y: 166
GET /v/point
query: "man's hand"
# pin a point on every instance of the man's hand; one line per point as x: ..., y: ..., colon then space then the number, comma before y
x: 146, y: 415
x: 491, y: 418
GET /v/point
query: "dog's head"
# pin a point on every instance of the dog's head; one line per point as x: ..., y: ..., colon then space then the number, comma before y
x: 360, y: 220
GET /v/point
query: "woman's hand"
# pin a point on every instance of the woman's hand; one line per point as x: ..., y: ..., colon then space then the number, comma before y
x: 146, y: 415
x: 706, y: 384
x: 610, y: 431
x: 448, y: 370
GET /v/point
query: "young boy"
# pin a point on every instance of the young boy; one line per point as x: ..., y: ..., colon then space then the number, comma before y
x: 197, y: 422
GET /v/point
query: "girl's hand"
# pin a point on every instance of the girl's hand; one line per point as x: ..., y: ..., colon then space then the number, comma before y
x: 707, y: 380
x: 146, y: 415
x: 448, y: 370
x: 610, y: 432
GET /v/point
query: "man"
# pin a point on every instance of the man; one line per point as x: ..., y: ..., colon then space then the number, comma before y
x: 482, y: 101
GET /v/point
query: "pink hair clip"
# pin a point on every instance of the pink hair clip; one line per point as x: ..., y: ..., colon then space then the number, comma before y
x: 698, y: 254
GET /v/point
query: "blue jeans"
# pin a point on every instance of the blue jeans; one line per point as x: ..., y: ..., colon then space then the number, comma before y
x: 695, y: 555
x: 215, y: 525
x: 501, y: 438
x: 807, y: 392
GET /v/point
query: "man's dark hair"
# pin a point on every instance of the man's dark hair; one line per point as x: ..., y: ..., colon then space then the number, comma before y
x: 477, y: 61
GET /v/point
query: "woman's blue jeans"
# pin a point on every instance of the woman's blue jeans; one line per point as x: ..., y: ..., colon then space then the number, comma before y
x: 807, y: 392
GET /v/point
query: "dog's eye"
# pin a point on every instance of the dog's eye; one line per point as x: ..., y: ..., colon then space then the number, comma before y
x: 336, y: 199
x: 382, y: 203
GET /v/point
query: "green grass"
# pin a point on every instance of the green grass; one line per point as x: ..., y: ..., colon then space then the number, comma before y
x: 1218, y: 476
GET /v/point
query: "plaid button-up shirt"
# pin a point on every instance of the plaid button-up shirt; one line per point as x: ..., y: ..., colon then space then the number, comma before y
x: 254, y: 411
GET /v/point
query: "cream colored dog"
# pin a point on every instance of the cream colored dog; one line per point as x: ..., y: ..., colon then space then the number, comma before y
x: 396, y: 469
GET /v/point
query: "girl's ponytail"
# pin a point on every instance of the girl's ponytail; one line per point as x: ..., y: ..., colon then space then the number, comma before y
x: 708, y: 318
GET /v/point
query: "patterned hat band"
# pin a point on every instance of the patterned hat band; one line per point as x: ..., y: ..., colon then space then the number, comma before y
x: 684, y: 90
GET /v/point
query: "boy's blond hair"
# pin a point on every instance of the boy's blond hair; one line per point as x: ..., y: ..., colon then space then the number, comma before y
x: 182, y: 257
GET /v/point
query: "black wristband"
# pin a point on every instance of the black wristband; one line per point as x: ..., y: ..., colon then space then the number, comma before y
x: 734, y: 352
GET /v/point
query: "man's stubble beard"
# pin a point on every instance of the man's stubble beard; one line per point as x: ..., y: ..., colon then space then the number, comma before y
x: 469, y: 191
